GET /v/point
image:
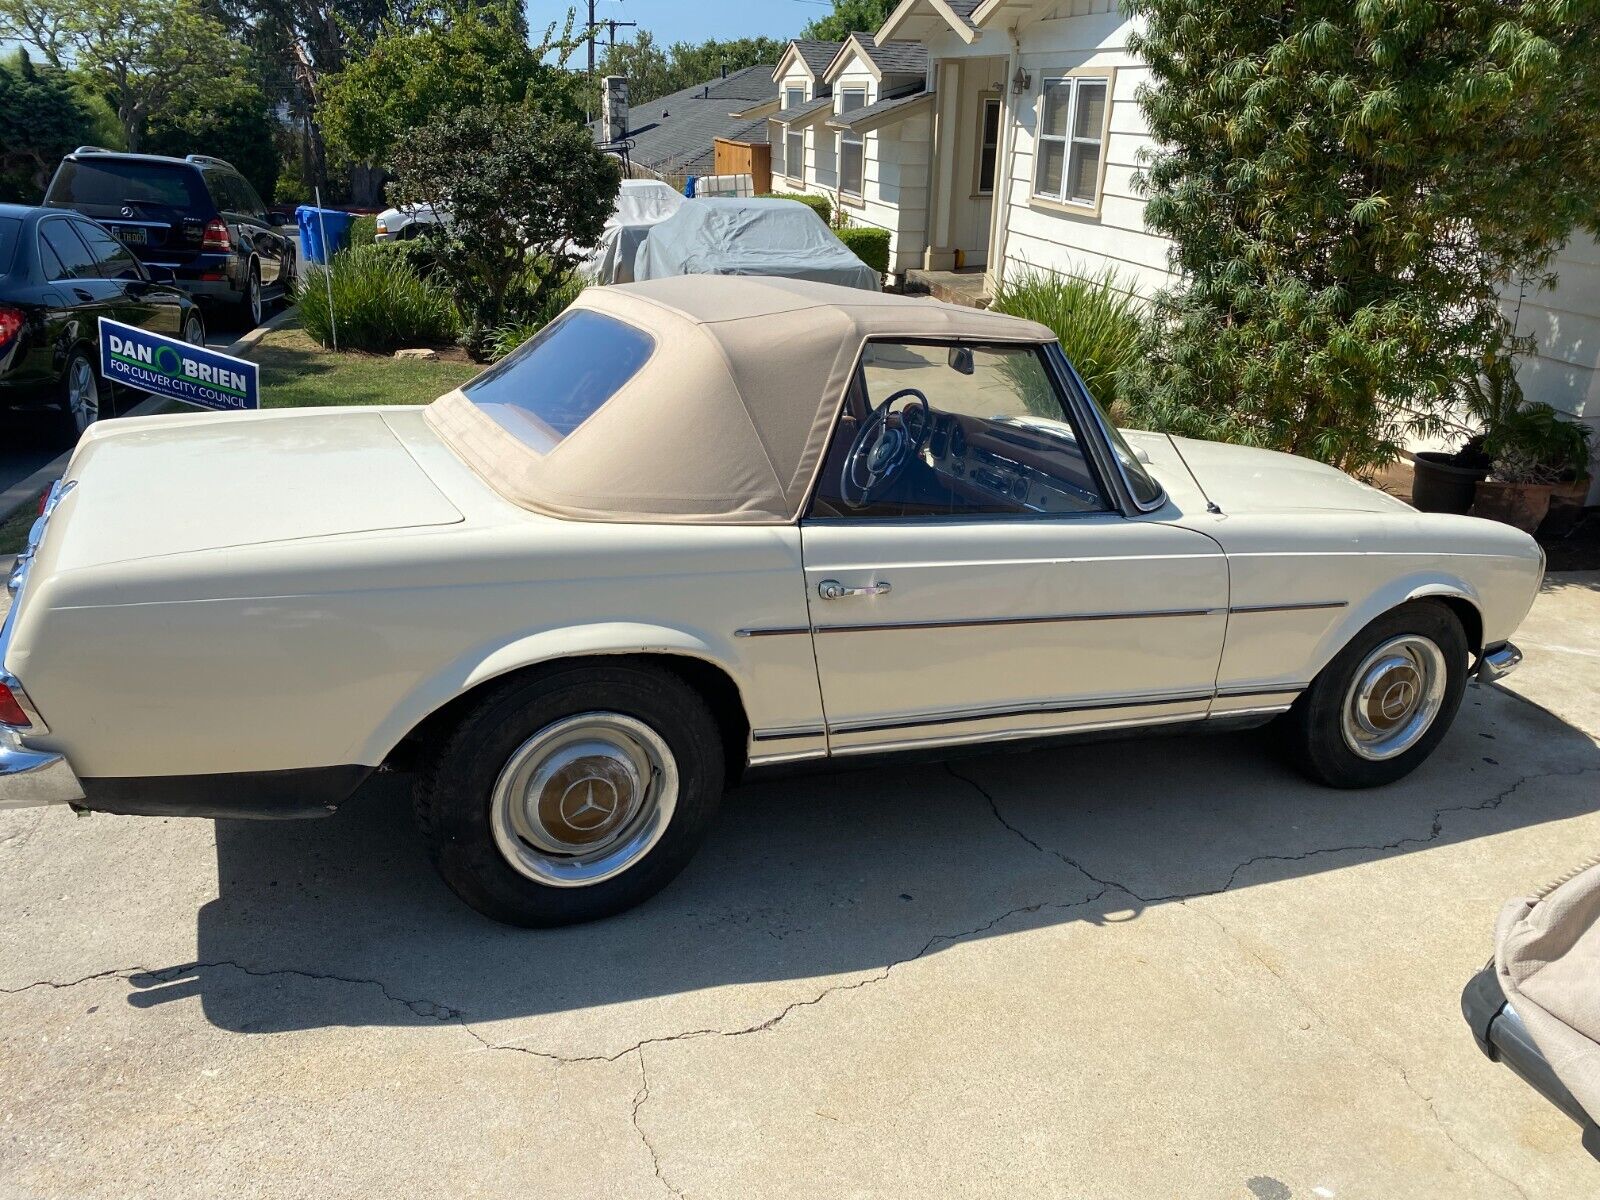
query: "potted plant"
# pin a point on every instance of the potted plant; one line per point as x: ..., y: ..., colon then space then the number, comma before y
x: 1532, y: 450
x: 1443, y: 482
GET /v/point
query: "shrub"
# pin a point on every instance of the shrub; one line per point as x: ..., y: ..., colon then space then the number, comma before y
x: 870, y: 245
x: 817, y: 204
x: 553, y: 303
x: 364, y: 231
x: 379, y: 300
x: 1097, y: 319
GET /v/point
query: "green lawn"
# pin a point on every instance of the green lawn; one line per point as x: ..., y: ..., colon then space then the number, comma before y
x: 298, y: 373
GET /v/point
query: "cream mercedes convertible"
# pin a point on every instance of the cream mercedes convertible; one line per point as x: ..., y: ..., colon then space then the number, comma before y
x: 694, y: 527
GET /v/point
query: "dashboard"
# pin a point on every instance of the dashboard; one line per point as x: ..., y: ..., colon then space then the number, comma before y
x: 1018, y: 462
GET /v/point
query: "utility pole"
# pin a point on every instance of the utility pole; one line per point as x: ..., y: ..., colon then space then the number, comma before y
x: 592, y: 34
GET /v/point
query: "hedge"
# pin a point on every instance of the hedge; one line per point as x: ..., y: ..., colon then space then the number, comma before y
x: 364, y: 231
x: 870, y: 245
x: 817, y: 204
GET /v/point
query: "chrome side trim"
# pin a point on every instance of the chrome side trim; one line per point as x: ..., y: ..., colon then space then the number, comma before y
x: 1259, y: 711
x: 1306, y: 606
x: 1496, y: 662
x: 1257, y: 690
x: 1013, y: 735
x: 786, y: 733
x: 777, y: 631
x: 785, y: 756
x: 1059, y: 618
x: 1045, y: 708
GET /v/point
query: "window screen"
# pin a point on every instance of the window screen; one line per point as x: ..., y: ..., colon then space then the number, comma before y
x: 559, y: 378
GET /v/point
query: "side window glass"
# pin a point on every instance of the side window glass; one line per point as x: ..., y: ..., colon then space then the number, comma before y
x: 221, y: 189
x: 75, y: 259
x: 111, y: 256
x: 249, y: 202
x: 952, y: 430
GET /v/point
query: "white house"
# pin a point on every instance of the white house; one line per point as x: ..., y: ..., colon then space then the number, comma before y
x: 1017, y: 150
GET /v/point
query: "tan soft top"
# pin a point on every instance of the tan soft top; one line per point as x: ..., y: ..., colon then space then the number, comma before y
x: 728, y: 418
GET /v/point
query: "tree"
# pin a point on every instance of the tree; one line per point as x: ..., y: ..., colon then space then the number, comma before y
x: 850, y: 16
x: 148, y: 58
x: 1349, y: 186
x: 42, y: 117
x: 410, y: 74
x: 239, y: 129
x: 522, y: 188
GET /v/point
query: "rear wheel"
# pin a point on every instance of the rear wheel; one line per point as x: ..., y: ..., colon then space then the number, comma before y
x: 573, y: 793
x: 194, y: 329
x: 1386, y: 700
x: 251, y: 307
x: 80, y: 395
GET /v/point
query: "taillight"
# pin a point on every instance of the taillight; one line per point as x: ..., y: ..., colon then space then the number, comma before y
x: 11, y: 320
x: 11, y: 711
x: 216, y: 235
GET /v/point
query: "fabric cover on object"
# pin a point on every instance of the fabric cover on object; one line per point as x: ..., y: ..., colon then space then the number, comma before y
x: 1547, y: 956
x: 728, y: 418
x: 642, y: 204
x: 737, y: 236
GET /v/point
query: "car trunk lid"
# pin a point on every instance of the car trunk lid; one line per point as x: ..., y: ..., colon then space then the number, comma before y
x: 154, y: 486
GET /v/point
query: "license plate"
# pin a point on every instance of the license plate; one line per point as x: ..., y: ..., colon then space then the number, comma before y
x: 133, y: 235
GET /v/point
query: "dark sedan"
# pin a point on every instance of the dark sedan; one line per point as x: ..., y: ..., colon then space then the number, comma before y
x: 59, y: 273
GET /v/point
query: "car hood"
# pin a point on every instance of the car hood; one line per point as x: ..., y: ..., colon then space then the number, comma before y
x: 1242, y: 479
x: 152, y: 486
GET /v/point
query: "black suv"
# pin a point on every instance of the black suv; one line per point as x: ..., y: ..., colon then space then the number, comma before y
x: 196, y: 217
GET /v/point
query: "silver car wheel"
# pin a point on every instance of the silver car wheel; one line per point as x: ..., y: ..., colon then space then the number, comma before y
x: 83, y: 394
x: 584, y: 799
x: 1394, y: 696
x: 194, y: 332
x: 253, y: 297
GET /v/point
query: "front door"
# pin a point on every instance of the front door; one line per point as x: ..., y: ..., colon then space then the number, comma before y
x: 969, y: 577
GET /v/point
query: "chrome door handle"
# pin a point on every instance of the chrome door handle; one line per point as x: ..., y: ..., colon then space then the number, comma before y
x: 832, y: 589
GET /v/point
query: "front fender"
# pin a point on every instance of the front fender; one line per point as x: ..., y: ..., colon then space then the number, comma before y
x: 1415, y: 585
x: 571, y: 641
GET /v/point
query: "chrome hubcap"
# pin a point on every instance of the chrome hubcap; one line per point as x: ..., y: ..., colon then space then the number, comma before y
x: 83, y: 394
x: 584, y: 799
x: 255, y: 299
x: 1397, y: 692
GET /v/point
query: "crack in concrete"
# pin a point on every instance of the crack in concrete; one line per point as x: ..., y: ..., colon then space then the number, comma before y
x: 1436, y: 828
x: 428, y: 1009
x: 639, y: 1098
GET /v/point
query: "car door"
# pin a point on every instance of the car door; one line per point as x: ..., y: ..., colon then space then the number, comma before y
x: 72, y: 268
x: 136, y: 302
x: 993, y: 589
x: 246, y: 210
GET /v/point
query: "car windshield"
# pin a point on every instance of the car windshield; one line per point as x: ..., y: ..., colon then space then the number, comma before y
x: 556, y: 381
x: 8, y: 242
x: 115, y: 184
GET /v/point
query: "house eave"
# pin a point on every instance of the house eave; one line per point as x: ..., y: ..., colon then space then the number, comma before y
x: 906, y: 8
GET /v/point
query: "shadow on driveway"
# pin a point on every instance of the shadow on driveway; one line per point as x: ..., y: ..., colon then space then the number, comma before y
x: 822, y: 875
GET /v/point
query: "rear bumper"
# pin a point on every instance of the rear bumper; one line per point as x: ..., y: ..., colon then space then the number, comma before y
x: 32, y: 778
x: 1496, y: 662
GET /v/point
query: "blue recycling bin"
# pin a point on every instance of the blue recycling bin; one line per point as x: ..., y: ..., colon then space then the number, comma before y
x: 314, y: 221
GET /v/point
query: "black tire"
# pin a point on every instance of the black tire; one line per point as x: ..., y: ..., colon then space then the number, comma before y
x: 457, y: 780
x: 73, y: 417
x: 1317, y: 738
x: 251, y: 308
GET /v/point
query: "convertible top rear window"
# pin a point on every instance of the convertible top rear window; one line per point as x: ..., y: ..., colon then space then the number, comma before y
x: 560, y: 377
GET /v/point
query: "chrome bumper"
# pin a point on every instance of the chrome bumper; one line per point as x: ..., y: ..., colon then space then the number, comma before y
x: 30, y: 778
x: 1496, y: 662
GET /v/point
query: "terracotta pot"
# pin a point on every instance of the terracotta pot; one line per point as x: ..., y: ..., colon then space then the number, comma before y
x: 1520, y: 505
x: 1572, y: 491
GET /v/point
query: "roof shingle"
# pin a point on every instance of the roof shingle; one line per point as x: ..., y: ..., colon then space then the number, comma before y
x: 674, y: 133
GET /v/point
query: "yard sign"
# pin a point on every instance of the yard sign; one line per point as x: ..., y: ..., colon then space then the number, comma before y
x: 167, y: 367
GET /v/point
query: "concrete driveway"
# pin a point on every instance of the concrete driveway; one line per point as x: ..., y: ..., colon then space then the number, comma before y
x: 1141, y: 969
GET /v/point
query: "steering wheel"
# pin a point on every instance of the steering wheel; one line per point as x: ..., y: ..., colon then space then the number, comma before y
x: 880, y: 452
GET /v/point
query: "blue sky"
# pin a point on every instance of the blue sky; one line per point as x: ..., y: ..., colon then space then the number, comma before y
x: 688, y: 20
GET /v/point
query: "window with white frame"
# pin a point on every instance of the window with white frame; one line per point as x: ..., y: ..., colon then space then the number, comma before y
x: 1071, y: 143
x: 794, y: 153
x: 852, y: 150
x: 988, y: 146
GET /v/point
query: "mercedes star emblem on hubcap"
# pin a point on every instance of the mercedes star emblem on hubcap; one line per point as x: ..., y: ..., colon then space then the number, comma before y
x: 589, y: 803
x: 1397, y: 700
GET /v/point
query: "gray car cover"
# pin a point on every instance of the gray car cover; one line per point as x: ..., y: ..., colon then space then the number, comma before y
x: 1547, y: 956
x: 642, y: 204
x: 737, y: 236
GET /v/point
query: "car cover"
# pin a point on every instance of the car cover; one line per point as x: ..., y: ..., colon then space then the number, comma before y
x: 1547, y: 957
x: 736, y: 236
x: 641, y: 205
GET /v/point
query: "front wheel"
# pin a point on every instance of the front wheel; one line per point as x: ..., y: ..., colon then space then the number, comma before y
x: 572, y: 793
x: 1386, y: 700
x: 80, y: 395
